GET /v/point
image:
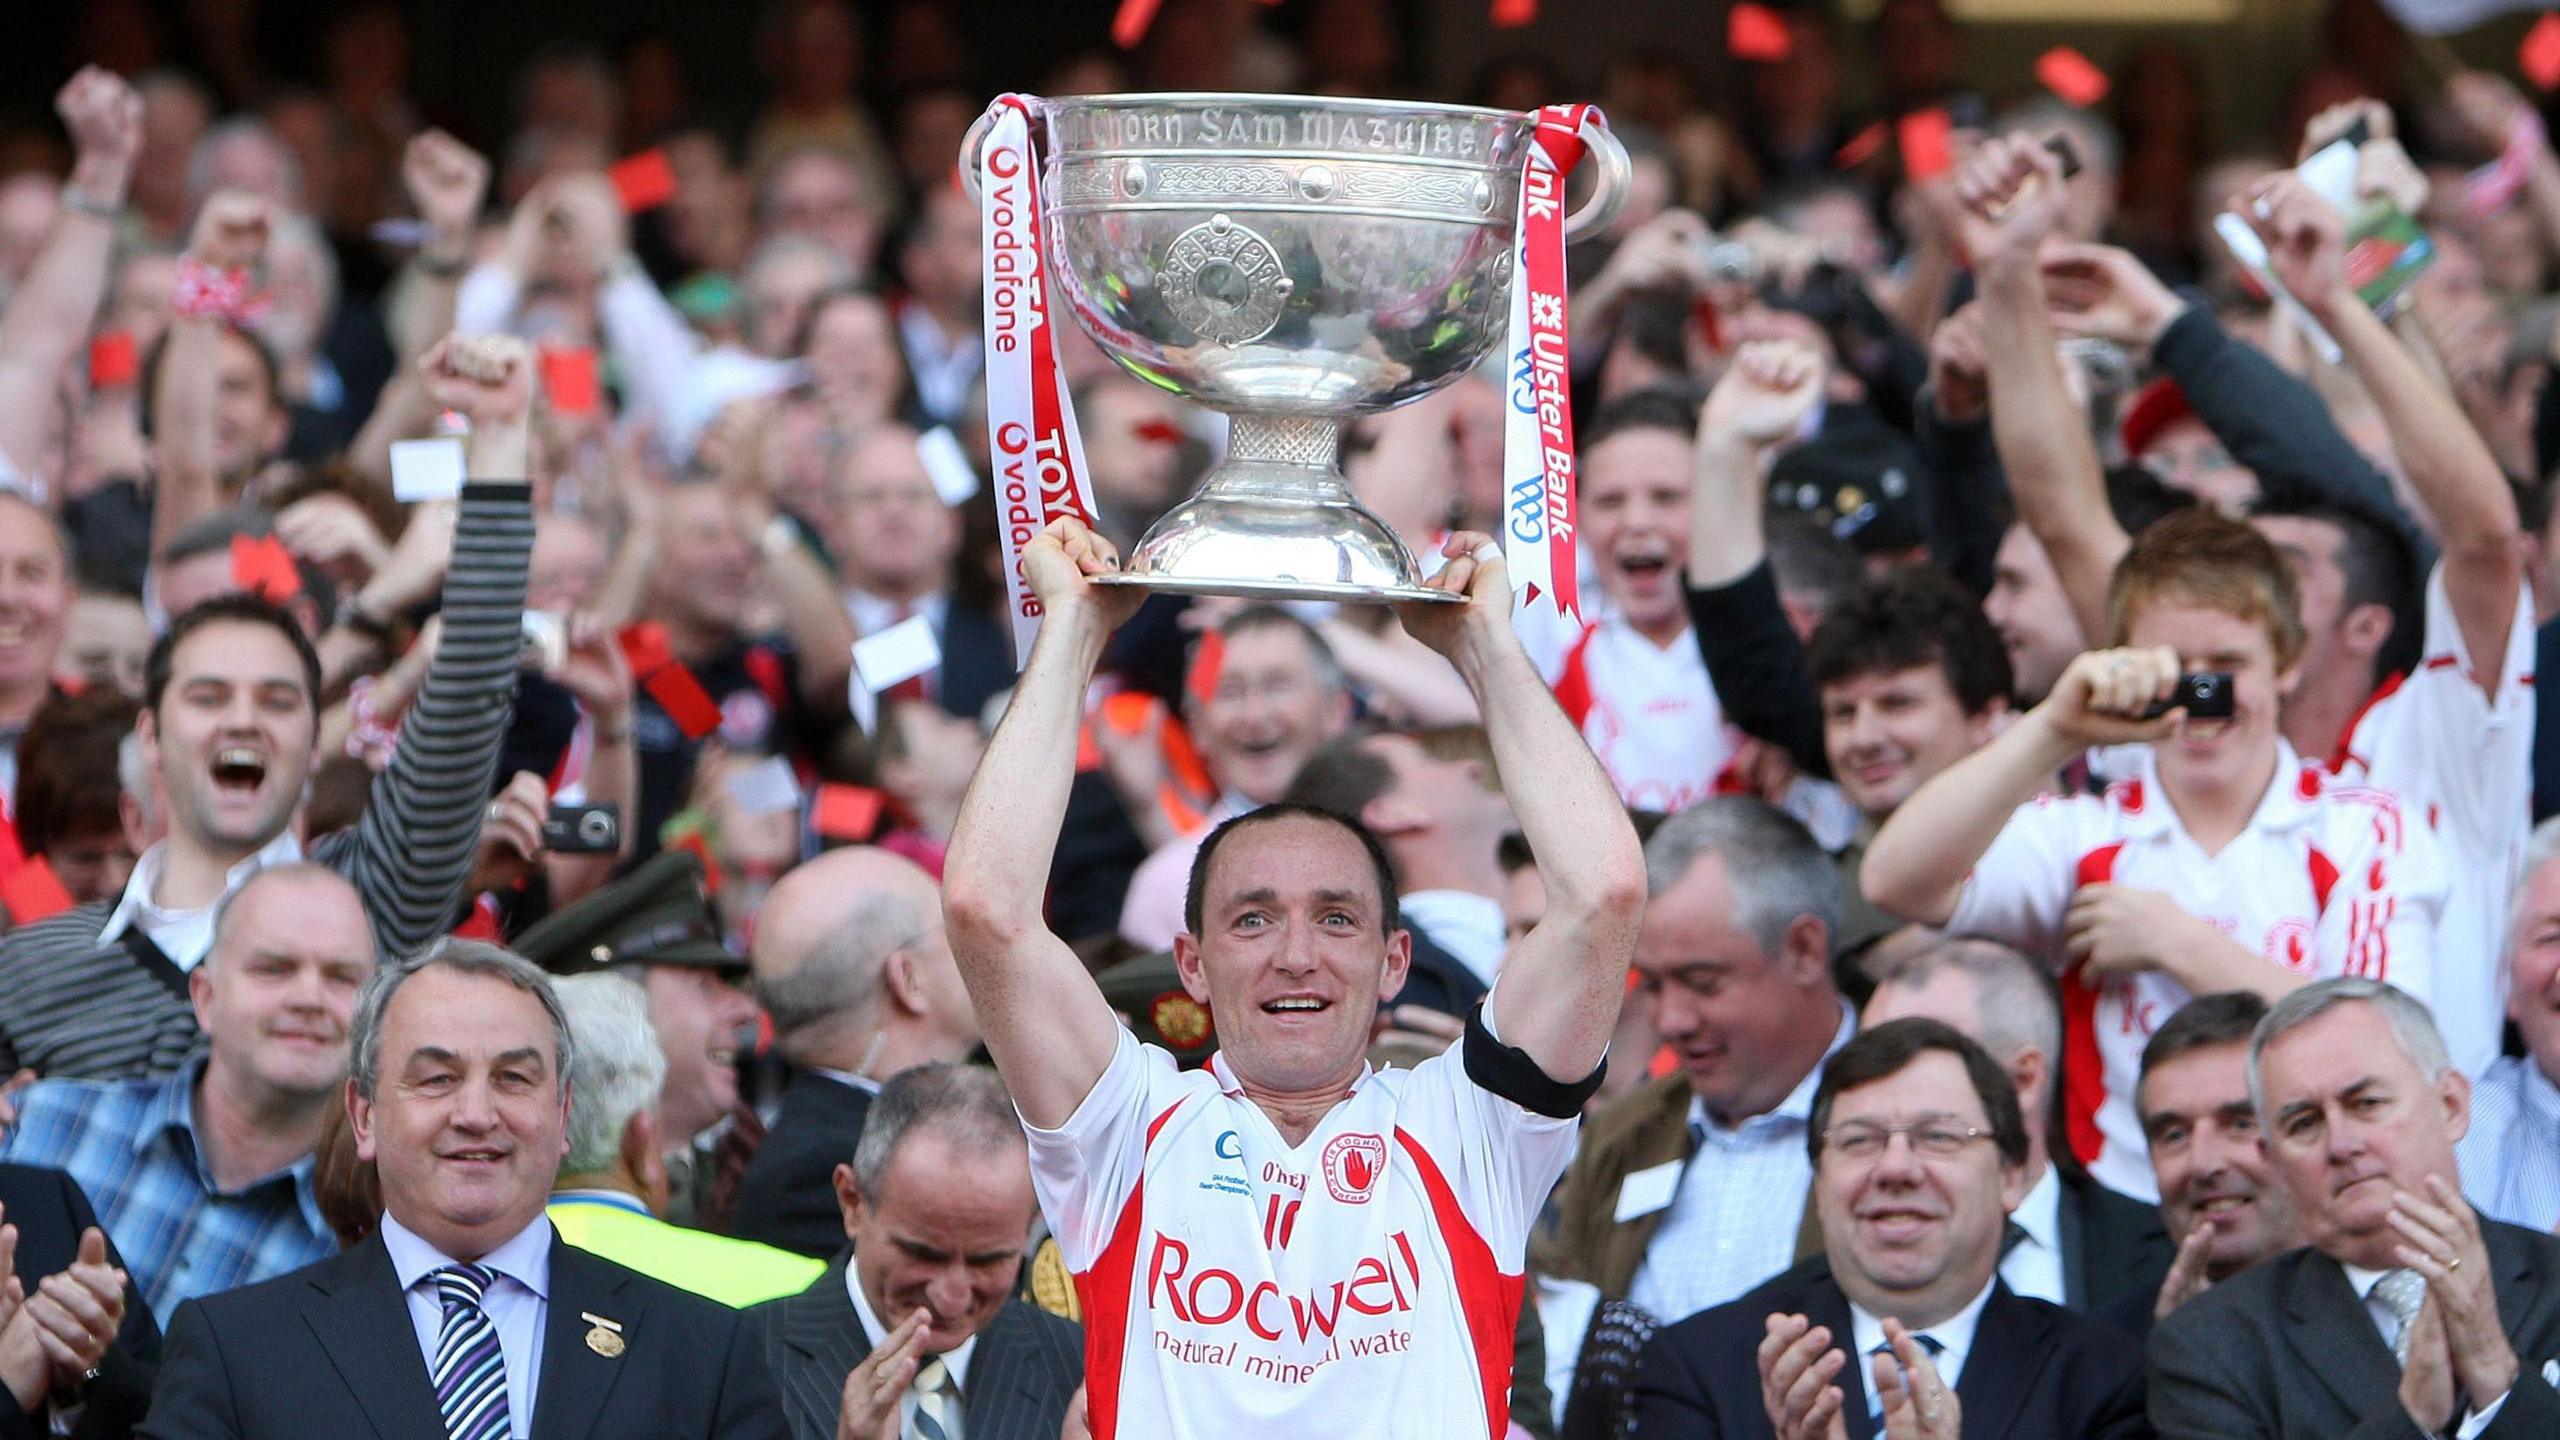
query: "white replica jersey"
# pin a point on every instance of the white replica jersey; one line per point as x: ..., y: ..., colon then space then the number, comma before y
x: 1648, y: 712
x: 1367, y: 1280
x: 2327, y: 880
x: 2464, y: 763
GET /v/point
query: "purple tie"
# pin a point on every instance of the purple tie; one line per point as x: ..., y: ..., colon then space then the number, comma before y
x: 470, y: 1369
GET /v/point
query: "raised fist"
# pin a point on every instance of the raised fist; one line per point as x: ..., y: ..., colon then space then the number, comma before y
x: 103, y: 114
x: 445, y: 180
x: 488, y: 378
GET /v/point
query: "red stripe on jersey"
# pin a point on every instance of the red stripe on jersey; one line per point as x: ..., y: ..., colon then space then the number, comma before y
x: 2441, y: 662
x: 2345, y: 753
x: 2084, y: 1069
x: 1104, y: 1289
x: 1573, y: 683
x: 2324, y: 878
x: 1488, y: 1300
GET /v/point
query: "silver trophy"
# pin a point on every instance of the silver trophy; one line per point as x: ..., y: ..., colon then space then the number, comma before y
x: 1294, y: 261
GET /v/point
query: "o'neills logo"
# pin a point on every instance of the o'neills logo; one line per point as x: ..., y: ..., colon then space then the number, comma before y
x: 1210, y: 1295
x: 1352, y: 1165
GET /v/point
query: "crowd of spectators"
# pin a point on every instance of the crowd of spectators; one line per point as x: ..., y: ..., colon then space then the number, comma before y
x: 2063, y: 610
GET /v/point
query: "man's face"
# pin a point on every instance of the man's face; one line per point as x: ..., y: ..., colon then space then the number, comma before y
x: 1635, y: 517
x: 105, y: 641
x: 2350, y: 1122
x: 1293, y: 953
x: 1888, y: 731
x: 2203, y: 1135
x: 707, y: 567
x: 2027, y: 606
x: 1429, y: 791
x: 2186, y: 456
x: 470, y: 1115
x: 854, y: 359
x: 698, y: 1012
x: 1270, y: 709
x: 945, y: 1235
x: 2317, y: 550
x: 1912, y: 1232
x: 35, y: 596
x: 779, y: 294
x: 278, y: 993
x: 941, y: 754
x: 1721, y: 1004
x: 942, y: 258
x: 248, y: 424
x: 2217, y: 755
x: 233, y: 736
x: 819, y: 196
x: 2533, y: 991
x: 568, y: 564
x: 895, y: 535
x: 91, y: 867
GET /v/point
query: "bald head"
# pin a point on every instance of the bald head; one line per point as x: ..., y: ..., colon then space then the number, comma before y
x: 852, y: 964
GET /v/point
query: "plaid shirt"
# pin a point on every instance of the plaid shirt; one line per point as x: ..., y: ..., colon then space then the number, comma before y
x: 132, y: 1146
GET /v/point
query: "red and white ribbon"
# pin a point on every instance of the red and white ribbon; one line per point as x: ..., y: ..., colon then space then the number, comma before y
x: 1537, y: 437
x: 1032, y: 442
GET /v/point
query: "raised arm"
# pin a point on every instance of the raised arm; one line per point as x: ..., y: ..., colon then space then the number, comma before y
x: 1044, y: 1020
x: 230, y: 240
x: 2444, y: 457
x: 2013, y: 196
x: 48, y: 319
x: 446, y: 181
x: 1562, y: 982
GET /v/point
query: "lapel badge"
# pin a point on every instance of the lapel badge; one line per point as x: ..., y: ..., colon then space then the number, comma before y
x: 605, y: 1338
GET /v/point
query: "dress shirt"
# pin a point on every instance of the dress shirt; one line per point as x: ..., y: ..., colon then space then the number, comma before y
x: 1463, y: 923
x: 2362, y: 1282
x: 2033, y: 1266
x: 1953, y: 1334
x: 1734, y: 1219
x: 2510, y: 1158
x: 184, y: 935
x: 518, y: 1304
x: 955, y: 1360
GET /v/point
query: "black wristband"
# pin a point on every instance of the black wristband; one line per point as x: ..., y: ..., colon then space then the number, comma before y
x: 1506, y: 1071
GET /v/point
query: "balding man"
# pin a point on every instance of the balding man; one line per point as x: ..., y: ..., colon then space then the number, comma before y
x: 853, y: 967
x: 2076, y: 1243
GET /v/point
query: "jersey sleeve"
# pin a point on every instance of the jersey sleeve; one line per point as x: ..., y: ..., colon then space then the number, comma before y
x: 2021, y: 887
x: 1086, y: 1169
x: 1500, y: 1160
x: 2380, y: 922
x: 2477, y: 748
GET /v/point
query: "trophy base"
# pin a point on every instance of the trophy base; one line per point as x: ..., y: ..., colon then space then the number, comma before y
x: 1277, y: 522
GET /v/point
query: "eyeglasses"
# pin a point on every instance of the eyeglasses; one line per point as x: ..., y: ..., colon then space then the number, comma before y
x: 1865, y: 1140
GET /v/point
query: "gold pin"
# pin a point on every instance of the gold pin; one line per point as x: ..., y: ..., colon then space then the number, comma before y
x: 606, y: 1338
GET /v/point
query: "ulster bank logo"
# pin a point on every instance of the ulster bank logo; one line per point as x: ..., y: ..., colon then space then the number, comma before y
x: 1352, y: 1165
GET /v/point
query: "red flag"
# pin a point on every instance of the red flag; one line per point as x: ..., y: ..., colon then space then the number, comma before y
x: 113, y: 360
x: 2539, y: 56
x: 1754, y: 32
x: 1512, y: 14
x: 1928, y: 144
x: 846, y: 812
x: 1129, y: 25
x: 261, y: 565
x: 33, y: 891
x: 644, y: 181
x: 2071, y: 75
x: 569, y: 379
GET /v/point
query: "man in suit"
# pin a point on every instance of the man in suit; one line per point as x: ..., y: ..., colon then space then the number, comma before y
x: 1427, y: 798
x: 854, y: 969
x: 917, y: 1332
x: 2407, y: 1310
x: 2224, y: 1207
x: 1919, y: 1153
x: 2077, y: 1243
x: 894, y: 539
x: 78, y: 1292
x: 464, y: 1315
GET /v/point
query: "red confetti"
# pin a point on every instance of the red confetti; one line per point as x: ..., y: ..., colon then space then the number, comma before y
x: 2071, y: 75
x: 569, y: 379
x: 846, y: 812
x: 1129, y: 25
x: 1862, y: 147
x: 262, y: 566
x: 2539, y: 55
x: 1512, y: 14
x: 1754, y: 32
x: 1927, y: 138
x: 644, y: 181
x: 33, y: 891
x: 114, y: 361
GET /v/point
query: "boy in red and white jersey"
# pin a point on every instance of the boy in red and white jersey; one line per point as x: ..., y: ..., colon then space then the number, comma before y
x: 1290, y: 1236
x: 2222, y: 863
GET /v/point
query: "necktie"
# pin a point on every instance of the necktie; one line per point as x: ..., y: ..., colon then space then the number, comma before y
x: 470, y: 1369
x: 1875, y: 1402
x: 934, y: 1400
x: 2401, y: 1292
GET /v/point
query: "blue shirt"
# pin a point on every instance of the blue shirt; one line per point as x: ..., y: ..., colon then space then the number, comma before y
x: 2511, y: 1155
x: 132, y: 1146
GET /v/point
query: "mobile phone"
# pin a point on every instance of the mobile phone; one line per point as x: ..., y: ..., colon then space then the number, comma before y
x: 582, y: 829
x: 546, y: 641
x: 2204, y: 694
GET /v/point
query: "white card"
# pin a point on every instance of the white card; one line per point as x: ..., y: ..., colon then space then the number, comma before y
x: 954, y: 478
x: 1647, y: 1191
x: 765, y: 787
x: 901, y: 652
x: 426, y: 469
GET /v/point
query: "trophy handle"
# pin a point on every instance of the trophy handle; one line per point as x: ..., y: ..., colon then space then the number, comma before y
x: 976, y: 139
x: 1608, y: 196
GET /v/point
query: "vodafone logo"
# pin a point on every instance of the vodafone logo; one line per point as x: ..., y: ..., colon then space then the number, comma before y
x: 1352, y: 1165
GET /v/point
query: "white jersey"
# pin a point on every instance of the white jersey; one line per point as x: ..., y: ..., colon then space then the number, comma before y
x: 2463, y: 762
x: 2326, y: 880
x: 1648, y: 712
x: 1367, y: 1280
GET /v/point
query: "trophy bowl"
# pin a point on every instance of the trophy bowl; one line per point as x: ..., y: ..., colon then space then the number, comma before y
x: 1296, y: 262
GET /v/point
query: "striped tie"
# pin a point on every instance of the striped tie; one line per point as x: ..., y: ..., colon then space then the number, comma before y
x: 470, y: 1369
x: 933, y: 1402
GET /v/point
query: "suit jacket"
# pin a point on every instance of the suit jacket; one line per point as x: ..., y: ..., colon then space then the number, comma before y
x: 2285, y: 1349
x: 1439, y: 980
x: 2115, y: 1250
x: 1582, y: 1238
x: 977, y: 660
x: 788, y: 1196
x: 2035, y: 1372
x: 50, y: 1212
x: 330, y: 1350
x: 1025, y: 1367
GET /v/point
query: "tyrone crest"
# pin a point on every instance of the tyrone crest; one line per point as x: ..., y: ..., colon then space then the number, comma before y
x: 1352, y: 1165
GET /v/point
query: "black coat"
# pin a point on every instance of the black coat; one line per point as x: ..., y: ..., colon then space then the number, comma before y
x: 50, y: 1212
x: 787, y: 1198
